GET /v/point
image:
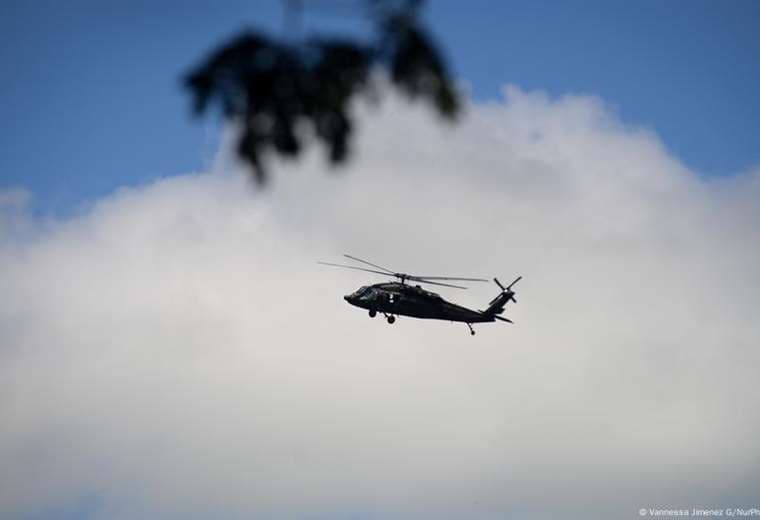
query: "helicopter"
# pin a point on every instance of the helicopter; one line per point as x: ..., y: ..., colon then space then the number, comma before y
x: 399, y: 298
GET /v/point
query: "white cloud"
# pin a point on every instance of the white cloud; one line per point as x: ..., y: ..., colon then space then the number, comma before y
x: 13, y: 212
x: 175, y: 350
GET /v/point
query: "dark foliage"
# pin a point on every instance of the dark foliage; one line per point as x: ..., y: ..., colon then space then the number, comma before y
x: 271, y: 87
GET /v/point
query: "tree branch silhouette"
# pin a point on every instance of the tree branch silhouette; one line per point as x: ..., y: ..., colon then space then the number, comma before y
x: 271, y: 87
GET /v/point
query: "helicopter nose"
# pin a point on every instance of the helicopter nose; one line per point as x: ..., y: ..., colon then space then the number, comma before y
x: 347, y: 298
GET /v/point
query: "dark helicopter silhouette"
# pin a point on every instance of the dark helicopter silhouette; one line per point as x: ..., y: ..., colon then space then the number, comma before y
x: 400, y: 299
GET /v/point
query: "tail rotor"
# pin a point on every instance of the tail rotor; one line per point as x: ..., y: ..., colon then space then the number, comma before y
x: 496, y: 306
x: 508, y: 289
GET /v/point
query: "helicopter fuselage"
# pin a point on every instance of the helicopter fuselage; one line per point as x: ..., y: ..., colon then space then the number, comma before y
x: 394, y: 298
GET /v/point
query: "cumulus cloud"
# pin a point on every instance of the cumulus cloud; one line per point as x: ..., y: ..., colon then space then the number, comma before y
x: 14, y: 203
x: 175, y: 351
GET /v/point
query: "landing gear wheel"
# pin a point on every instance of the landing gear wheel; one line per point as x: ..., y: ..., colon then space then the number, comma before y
x: 372, y: 313
x: 391, y: 319
x: 472, y: 331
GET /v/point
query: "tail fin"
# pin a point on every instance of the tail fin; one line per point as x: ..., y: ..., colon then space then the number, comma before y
x: 496, y: 306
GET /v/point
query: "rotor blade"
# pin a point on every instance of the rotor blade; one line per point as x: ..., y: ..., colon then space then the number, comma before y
x: 435, y: 283
x: 353, y: 267
x: 516, y: 280
x: 369, y: 263
x: 449, y: 278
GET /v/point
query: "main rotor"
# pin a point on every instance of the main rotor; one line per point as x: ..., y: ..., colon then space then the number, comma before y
x: 404, y: 277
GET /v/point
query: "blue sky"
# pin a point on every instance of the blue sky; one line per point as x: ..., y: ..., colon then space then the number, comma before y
x: 91, y: 98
